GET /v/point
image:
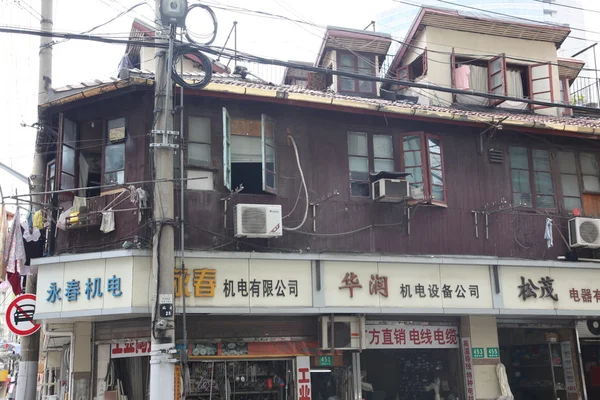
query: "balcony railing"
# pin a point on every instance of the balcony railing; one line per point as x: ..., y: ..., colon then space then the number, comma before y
x: 585, y: 92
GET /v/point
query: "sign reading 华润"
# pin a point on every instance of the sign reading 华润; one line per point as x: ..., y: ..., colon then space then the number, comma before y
x: 365, y: 284
x: 244, y: 283
x: 93, y: 287
x: 400, y: 336
x: 550, y: 288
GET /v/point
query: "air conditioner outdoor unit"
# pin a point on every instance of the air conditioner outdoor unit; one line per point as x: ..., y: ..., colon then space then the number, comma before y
x: 589, y: 329
x: 390, y: 190
x: 347, y: 332
x: 257, y: 220
x: 584, y: 232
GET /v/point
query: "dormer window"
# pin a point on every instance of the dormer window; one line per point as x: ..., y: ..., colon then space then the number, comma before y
x: 358, y: 63
x: 416, y: 69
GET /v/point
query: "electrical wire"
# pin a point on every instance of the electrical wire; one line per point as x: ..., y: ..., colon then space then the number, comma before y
x: 213, y: 17
x: 291, y: 138
x: 182, y: 51
x: 554, y: 3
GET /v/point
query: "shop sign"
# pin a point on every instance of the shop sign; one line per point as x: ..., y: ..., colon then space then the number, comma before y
x: 90, y: 289
x: 356, y: 284
x: 478, y: 352
x: 567, y: 362
x: 130, y: 348
x: 254, y: 349
x: 493, y: 352
x: 325, y: 361
x: 244, y: 283
x: 177, y: 383
x: 468, y: 368
x: 397, y: 336
x: 303, y: 385
x: 550, y: 288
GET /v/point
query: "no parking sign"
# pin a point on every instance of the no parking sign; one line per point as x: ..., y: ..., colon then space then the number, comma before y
x: 20, y: 315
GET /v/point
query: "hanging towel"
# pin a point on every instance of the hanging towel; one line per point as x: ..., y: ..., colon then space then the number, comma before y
x: 15, y: 282
x: 461, y: 77
x: 79, y: 202
x: 108, y: 221
x: 38, y: 220
x: 84, y: 169
x: 15, y: 255
x: 548, y: 233
x: 3, y: 239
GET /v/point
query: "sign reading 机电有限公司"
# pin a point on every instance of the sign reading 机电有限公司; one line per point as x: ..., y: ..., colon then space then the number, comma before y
x: 400, y: 336
x: 365, y: 284
x: 244, y: 283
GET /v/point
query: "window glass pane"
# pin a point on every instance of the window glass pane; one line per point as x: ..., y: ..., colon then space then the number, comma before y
x: 68, y: 160
x: 437, y: 192
x: 114, y: 177
x: 545, y: 202
x: 570, y: 186
x: 589, y: 163
x: 366, y: 86
x: 347, y: 60
x: 359, y: 168
x: 522, y: 199
x: 566, y: 162
x: 69, y: 133
x: 365, y: 62
x: 199, y: 154
x: 416, y: 191
x: 269, y: 130
x: 411, y: 143
x: 114, y: 157
x: 518, y: 157
x: 543, y: 183
x: 416, y: 174
x: 67, y: 181
x: 52, y: 170
x: 382, y: 164
x: 434, y: 145
x: 270, y: 179
x: 591, y: 183
x: 357, y: 144
x: 541, y: 160
x: 520, y: 181
x: 116, y: 123
x: 412, y: 159
x: 270, y: 155
x: 436, y: 177
x: 347, y: 84
x: 435, y: 161
x: 359, y: 189
x: 382, y: 146
x: 199, y: 129
x: 571, y: 203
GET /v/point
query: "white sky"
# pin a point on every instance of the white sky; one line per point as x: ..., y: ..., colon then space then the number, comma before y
x: 76, y: 61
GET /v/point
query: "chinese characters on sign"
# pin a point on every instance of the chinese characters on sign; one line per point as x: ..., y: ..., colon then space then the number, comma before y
x: 205, y: 285
x: 567, y: 361
x: 584, y: 295
x: 303, y: 385
x: 528, y: 289
x: 132, y: 348
x: 396, y: 336
x: 378, y: 285
x: 92, y: 289
x: 468, y: 366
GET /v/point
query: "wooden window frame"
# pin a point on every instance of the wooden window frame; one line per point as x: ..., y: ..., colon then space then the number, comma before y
x: 531, y: 80
x: 426, y: 165
x: 187, y: 140
x: 59, y: 155
x: 373, y: 72
x: 405, y: 73
x: 106, y: 144
x: 554, y: 173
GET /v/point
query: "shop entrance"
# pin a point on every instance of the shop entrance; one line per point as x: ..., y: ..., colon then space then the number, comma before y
x: 540, y: 363
x: 332, y: 382
x: 590, y: 357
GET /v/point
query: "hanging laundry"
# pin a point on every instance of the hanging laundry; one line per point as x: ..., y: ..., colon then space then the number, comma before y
x: 548, y: 233
x: 38, y: 220
x: 79, y: 202
x: 62, y: 219
x: 32, y: 236
x: 15, y: 254
x: 3, y: 239
x: 14, y: 279
x: 108, y: 221
x: 461, y: 77
x: 142, y: 197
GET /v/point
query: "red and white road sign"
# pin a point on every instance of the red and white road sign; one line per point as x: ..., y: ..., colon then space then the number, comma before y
x: 20, y: 315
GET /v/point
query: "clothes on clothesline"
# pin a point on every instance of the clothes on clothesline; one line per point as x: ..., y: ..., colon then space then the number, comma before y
x: 548, y: 233
x: 108, y: 221
x: 461, y: 77
x: 15, y: 254
x: 3, y: 239
x: 38, y: 220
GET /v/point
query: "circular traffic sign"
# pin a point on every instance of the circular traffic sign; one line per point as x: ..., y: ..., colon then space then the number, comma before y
x: 20, y: 314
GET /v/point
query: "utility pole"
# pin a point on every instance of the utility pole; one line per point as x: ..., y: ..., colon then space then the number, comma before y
x: 162, y: 361
x: 30, y: 345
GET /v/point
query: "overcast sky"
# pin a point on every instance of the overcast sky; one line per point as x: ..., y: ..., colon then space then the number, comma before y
x: 76, y: 61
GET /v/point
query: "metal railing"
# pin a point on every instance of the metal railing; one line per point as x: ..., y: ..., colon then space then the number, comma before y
x: 585, y: 92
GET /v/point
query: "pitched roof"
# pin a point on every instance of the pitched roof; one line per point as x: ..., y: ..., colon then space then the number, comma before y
x: 354, y: 40
x: 233, y: 84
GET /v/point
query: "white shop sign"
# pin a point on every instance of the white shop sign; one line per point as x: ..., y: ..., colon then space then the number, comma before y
x: 379, y: 284
x: 244, y: 283
x: 543, y: 288
x: 399, y: 336
x: 567, y: 362
x: 303, y: 383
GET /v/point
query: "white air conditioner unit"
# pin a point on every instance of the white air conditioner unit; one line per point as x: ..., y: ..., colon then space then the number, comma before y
x: 257, y: 220
x: 584, y: 232
x: 589, y: 329
x: 348, y: 333
x: 390, y: 190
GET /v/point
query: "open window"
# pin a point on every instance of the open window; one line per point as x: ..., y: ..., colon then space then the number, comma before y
x: 422, y: 157
x: 416, y: 69
x: 540, y: 84
x: 67, y: 154
x: 249, y: 154
x: 114, y: 152
x: 497, y: 78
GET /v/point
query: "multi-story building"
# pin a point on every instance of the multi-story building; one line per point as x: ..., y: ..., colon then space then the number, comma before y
x: 342, y: 237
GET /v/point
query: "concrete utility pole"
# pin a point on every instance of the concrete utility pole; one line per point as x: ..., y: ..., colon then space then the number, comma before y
x: 30, y: 345
x: 162, y: 361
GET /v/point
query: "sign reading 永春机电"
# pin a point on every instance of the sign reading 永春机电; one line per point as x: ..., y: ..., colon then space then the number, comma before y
x: 400, y: 336
x: 89, y: 289
x: 244, y: 283
x: 356, y: 284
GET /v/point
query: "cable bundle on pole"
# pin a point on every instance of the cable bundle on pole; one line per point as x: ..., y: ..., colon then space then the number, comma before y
x: 182, y: 51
